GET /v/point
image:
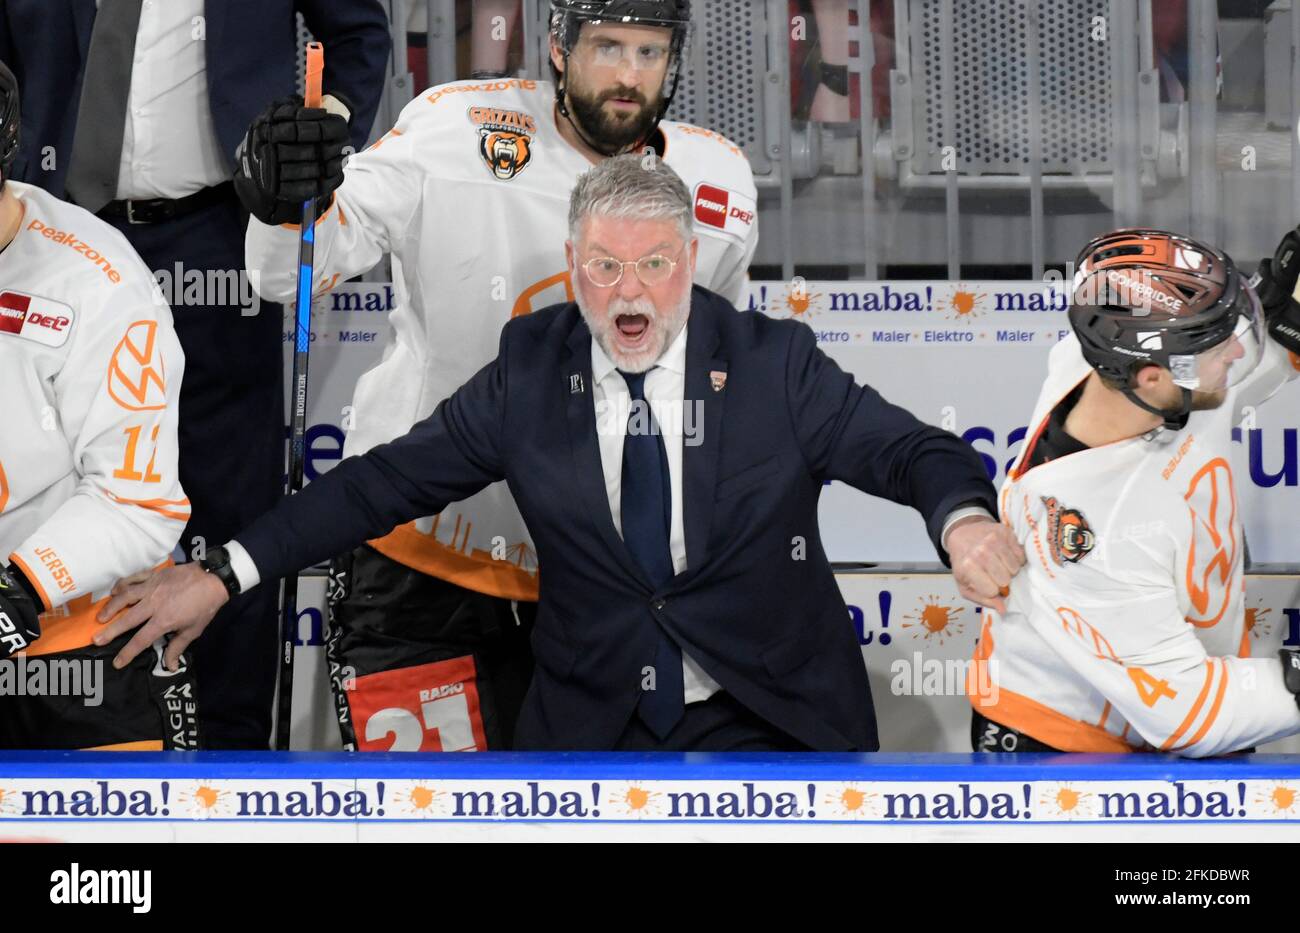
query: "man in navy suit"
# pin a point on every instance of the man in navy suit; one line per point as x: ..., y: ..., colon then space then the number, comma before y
x: 134, y: 109
x: 667, y: 452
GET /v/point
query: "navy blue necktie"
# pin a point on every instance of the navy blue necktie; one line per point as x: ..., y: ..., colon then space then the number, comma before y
x: 646, y: 507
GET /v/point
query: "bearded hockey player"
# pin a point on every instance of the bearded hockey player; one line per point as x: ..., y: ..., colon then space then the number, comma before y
x: 469, y: 193
x: 91, y: 375
x: 1126, y: 631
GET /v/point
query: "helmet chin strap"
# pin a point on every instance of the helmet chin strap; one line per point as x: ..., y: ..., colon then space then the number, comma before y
x: 1173, y: 420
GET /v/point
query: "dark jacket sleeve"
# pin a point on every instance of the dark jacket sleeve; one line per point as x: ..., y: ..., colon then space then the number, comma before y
x: 449, y: 456
x: 357, y: 44
x: 850, y: 433
x: 7, y: 41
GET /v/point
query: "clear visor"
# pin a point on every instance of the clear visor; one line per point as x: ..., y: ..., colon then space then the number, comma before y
x: 605, y: 52
x: 1228, y: 363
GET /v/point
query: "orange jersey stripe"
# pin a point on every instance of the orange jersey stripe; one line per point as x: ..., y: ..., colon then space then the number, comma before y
x: 1214, y: 710
x: 1196, y: 709
x: 70, y: 628
x: 426, y: 554
x: 146, y: 745
x: 159, y: 506
x: 1047, y: 725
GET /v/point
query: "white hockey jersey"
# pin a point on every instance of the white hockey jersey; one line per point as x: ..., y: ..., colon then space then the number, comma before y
x: 470, y: 194
x: 1126, y: 628
x: 90, y: 370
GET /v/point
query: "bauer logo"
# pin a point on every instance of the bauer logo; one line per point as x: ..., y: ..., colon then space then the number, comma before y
x: 728, y: 211
x: 42, y: 320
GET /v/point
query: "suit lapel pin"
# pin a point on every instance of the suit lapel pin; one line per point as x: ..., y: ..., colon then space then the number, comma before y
x: 717, y: 379
x: 575, y: 383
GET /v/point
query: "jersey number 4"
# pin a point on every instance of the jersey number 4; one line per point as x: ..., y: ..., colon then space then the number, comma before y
x: 1149, y: 689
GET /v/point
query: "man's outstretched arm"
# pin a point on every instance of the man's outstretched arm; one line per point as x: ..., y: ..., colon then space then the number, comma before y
x: 449, y: 456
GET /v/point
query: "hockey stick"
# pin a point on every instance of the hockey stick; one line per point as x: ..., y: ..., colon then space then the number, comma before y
x: 298, y: 419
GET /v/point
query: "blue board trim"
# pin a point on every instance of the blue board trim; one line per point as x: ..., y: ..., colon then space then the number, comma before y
x: 642, y: 766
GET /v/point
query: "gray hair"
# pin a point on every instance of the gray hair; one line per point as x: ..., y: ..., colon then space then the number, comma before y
x: 636, y: 186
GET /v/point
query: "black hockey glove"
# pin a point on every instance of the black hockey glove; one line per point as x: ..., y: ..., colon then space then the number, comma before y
x: 291, y: 154
x: 19, y: 615
x: 1275, y: 284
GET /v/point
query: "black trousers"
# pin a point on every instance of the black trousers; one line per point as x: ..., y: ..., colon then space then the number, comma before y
x: 420, y: 664
x: 142, y: 707
x: 719, y: 724
x: 995, y: 738
x: 232, y: 448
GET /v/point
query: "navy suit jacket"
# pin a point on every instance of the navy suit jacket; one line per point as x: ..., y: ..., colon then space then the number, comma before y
x: 758, y: 606
x: 251, y: 60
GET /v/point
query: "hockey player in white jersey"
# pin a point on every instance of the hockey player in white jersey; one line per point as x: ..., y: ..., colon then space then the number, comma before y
x: 90, y: 373
x: 1126, y: 631
x: 469, y: 193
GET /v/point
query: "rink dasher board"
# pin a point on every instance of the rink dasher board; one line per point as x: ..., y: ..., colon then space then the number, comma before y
x: 928, y: 345
x: 340, y: 797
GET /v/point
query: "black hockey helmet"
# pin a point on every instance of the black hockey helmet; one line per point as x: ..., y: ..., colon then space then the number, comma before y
x: 10, y: 121
x: 567, y: 17
x: 1142, y: 297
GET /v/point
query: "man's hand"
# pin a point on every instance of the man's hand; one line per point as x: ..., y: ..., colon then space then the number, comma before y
x: 179, y: 601
x: 1275, y: 283
x: 985, y: 556
x: 291, y: 154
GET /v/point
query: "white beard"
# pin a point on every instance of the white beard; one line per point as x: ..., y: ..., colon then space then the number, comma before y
x: 662, y: 328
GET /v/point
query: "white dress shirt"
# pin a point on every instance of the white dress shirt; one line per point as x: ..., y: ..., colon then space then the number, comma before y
x: 665, y: 387
x: 169, y: 144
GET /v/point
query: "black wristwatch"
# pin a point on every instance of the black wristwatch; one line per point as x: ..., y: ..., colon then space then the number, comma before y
x: 1291, y: 671
x: 217, y: 562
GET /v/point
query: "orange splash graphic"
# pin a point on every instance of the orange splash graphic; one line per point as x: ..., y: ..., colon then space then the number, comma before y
x: 1256, y: 622
x: 963, y: 303
x: 636, y: 801
x: 204, y: 800
x: 1281, y: 800
x: 799, y: 300
x: 420, y: 800
x: 934, y: 620
x: 1065, y: 802
x: 850, y: 802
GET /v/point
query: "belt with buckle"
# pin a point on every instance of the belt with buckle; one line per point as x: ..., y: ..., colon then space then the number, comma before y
x: 156, y: 210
